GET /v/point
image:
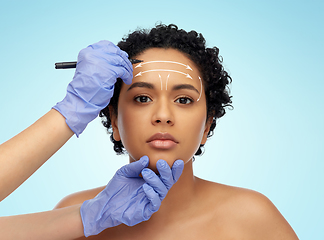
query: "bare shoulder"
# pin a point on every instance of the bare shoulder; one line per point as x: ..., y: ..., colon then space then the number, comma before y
x: 78, y: 197
x: 247, y: 213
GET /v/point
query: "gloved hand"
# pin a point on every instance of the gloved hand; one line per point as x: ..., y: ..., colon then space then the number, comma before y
x: 128, y: 198
x: 98, y: 67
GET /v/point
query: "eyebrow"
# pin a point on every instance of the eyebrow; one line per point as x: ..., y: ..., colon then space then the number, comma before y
x: 184, y: 86
x: 141, y: 85
x: 151, y: 86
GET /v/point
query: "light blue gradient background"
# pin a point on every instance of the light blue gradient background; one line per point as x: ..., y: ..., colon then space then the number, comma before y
x: 272, y: 142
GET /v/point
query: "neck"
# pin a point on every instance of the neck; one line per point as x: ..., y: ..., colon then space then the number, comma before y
x: 181, y: 196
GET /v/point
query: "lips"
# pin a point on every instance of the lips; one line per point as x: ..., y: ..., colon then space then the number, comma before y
x: 162, y: 141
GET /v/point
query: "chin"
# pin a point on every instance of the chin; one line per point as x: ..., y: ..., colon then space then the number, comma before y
x: 169, y: 158
x: 155, y: 157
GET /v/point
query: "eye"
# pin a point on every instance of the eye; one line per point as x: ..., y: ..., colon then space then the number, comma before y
x: 142, y: 99
x: 184, y: 100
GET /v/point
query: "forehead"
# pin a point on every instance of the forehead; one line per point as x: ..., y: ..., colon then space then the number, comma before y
x: 164, y: 62
x: 152, y: 54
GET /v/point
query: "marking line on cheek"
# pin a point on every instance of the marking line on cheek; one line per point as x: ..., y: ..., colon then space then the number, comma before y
x: 143, y: 63
x: 163, y: 70
x: 200, y: 89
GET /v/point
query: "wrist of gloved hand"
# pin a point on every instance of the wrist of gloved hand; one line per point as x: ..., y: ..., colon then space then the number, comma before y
x: 79, y: 111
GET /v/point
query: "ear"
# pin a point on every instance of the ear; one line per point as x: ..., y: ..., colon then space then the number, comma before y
x: 114, y: 123
x: 207, y: 128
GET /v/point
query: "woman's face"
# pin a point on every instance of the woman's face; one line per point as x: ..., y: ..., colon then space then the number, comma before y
x: 162, y: 114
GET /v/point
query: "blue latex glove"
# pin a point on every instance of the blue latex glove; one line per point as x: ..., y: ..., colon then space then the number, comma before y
x: 128, y: 198
x: 98, y: 67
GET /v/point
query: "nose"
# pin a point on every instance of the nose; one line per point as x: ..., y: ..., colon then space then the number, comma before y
x: 163, y: 113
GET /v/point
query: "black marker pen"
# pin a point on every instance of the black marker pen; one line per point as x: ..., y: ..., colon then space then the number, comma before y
x: 66, y: 65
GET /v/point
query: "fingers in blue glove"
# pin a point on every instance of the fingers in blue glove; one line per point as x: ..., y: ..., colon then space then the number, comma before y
x: 120, y: 65
x: 109, y: 48
x: 155, y: 182
x: 177, y: 169
x: 154, y: 198
x: 135, y: 168
x: 167, y: 175
x: 112, y: 54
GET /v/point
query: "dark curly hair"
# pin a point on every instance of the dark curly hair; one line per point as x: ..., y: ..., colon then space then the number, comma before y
x: 208, y: 61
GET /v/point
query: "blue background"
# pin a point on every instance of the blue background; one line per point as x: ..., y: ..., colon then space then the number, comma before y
x: 272, y: 141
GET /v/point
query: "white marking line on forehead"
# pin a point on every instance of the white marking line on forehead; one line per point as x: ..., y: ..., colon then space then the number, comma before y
x: 143, y: 63
x: 161, y: 81
x: 200, y: 89
x: 166, y: 83
x: 163, y: 70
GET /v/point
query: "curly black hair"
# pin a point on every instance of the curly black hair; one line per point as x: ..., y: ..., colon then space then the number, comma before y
x: 215, y: 79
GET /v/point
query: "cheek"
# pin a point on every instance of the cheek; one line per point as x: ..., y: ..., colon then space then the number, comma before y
x: 194, y: 121
x: 126, y: 123
x: 192, y: 129
x: 130, y: 125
